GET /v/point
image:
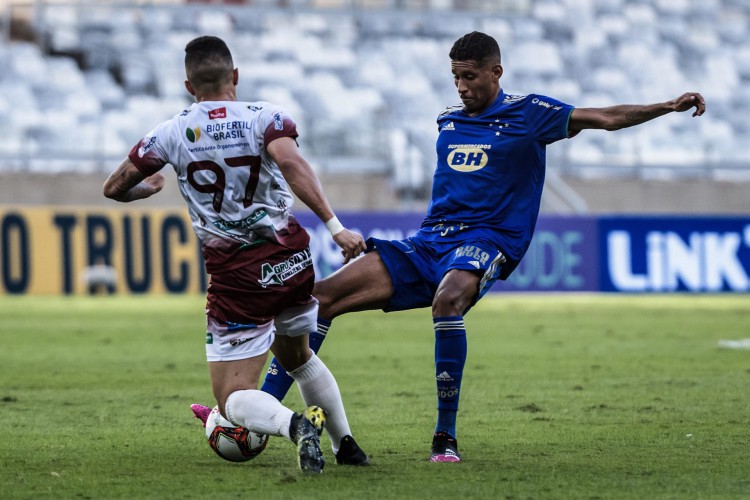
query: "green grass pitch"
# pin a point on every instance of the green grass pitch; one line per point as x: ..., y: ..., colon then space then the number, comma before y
x: 564, y: 396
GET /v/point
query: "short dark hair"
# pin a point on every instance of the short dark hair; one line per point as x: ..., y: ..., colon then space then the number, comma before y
x: 475, y: 46
x: 208, y: 62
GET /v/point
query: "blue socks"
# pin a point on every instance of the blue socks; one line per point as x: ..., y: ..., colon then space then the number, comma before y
x: 277, y: 382
x: 450, y: 357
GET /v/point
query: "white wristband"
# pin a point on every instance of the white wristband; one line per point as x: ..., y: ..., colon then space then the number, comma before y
x: 334, y: 226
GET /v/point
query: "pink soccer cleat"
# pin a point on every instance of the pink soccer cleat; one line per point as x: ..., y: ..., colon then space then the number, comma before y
x: 201, y: 412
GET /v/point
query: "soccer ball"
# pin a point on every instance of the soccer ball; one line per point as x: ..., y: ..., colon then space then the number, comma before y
x: 230, y: 442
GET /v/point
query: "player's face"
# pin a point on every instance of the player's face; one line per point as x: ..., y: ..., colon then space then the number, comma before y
x: 478, y: 85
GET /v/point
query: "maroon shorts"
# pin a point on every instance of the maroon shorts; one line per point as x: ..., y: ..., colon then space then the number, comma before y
x: 262, y: 281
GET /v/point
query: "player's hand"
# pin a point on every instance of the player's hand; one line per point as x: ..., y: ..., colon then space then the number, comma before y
x: 154, y: 183
x: 690, y: 100
x: 352, y: 244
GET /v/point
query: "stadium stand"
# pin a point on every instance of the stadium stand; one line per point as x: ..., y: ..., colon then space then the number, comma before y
x: 80, y: 81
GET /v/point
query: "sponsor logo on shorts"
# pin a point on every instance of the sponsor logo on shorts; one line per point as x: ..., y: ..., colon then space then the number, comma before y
x: 474, y: 253
x: 236, y: 342
x: 209, y: 338
x: 275, y: 274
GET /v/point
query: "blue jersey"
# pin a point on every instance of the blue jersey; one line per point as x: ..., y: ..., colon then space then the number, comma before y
x: 490, y: 171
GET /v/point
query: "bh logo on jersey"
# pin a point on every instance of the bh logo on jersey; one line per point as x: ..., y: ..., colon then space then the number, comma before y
x: 467, y: 158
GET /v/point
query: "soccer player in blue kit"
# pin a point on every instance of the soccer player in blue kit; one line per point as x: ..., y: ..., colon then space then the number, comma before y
x: 486, y: 194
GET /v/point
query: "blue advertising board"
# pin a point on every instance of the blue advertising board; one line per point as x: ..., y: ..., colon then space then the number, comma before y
x: 58, y: 250
x: 387, y: 225
x: 667, y: 254
x: 586, y: 253
x: 562, y: 255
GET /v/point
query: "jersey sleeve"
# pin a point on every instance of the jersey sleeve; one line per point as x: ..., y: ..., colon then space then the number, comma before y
x: 547, y: 118
x: 275, y: 123
x: 149, y: 155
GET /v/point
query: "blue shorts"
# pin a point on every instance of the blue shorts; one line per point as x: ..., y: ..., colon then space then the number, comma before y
x: 417, y: 266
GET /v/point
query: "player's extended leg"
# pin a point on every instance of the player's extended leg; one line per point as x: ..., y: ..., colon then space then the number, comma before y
x: 277, y: 381
x: 236, y: 354
x: 229, y: 377
x: 454, y: 296
x: 232, y: 382
x: 318, y: 387
x: 363, y: 284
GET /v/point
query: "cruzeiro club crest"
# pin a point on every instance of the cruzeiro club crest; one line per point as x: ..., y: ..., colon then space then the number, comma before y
x: 276, y: 274
x: 193, y: 134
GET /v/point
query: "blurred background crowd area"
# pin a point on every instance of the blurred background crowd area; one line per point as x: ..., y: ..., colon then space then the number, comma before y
x: 82, y: 81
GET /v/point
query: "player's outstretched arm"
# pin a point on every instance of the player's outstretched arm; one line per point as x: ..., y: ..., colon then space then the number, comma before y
x: 628, y: 115
x: 127, y: 183
x: 305, y: 185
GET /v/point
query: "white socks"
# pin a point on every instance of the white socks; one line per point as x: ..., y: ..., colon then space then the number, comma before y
x: 263, y: 413
x: 318, y: 387
x: 259, y: 412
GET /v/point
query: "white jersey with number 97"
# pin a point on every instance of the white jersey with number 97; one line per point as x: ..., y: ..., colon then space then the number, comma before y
x: 234, y: 190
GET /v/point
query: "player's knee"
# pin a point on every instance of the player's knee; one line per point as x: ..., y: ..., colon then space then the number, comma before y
x: 291, y: 352
x: 326, y: 300
x: 448, y: 302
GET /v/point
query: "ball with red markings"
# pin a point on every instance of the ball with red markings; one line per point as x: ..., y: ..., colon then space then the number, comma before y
x: 231, y: 442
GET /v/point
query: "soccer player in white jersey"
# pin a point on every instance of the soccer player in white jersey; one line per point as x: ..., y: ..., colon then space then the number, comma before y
x: 237, y: 165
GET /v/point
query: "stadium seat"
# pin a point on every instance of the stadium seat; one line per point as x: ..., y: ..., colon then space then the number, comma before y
x: 361, y: 71
x: 536, y: 58
x: 585, y: 151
